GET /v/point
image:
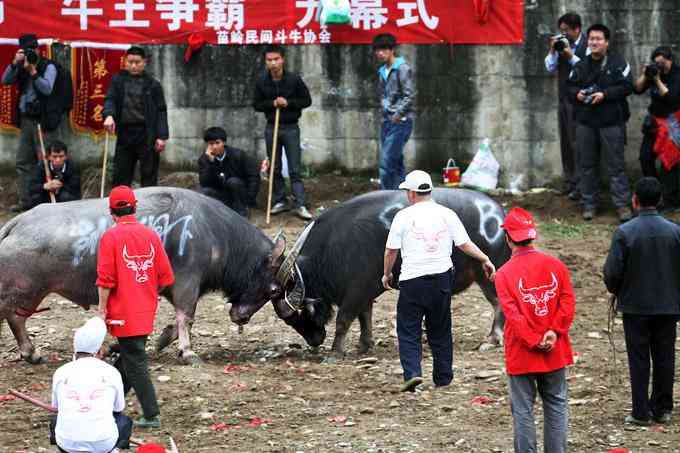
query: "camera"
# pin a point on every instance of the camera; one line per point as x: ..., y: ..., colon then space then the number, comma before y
x: 588, y: 92
x: 561, y: 42
x: 652, y: 70
x: 32, y: 56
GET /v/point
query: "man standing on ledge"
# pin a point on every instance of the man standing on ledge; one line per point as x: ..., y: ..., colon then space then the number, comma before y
x: 284, y: 90
x: 132, y: 268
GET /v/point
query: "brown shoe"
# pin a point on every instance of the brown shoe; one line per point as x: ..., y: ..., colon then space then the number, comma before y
x: 624, y: 214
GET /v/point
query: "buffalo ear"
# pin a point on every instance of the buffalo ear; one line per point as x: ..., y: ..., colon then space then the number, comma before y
x: 279, y: 248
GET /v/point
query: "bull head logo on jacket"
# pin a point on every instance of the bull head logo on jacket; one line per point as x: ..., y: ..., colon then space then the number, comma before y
x: 539, y: 295
x: 139, y: 263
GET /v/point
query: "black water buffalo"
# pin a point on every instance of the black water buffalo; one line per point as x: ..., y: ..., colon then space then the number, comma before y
x: 340, y: 262
x: 53, y: 248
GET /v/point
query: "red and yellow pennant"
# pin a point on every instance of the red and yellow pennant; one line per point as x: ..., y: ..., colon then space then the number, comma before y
x: 92, y: 70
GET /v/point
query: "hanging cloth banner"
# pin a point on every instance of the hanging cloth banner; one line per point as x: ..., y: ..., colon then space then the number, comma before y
x: 92, y: 70
x: 9, y: 94
x: 264, y: 21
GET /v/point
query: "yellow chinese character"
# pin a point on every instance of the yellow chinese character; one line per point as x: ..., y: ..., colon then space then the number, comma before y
x: 97, y: 115
x: 99, y: 70
x: 98, y: 92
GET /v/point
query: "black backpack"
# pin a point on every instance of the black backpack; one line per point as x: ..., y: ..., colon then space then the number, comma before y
x: 60, y: 101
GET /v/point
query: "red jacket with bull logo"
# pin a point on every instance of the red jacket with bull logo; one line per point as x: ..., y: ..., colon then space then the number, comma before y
x: 132, y: 262
x: 535, y: 293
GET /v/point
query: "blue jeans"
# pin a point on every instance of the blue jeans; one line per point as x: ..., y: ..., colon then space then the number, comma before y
x: 553, y: 390
x: 426, y: 297
x: 393, y: 138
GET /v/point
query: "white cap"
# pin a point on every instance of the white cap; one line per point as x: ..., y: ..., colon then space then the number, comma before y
x: 417, y: 181
x: 89, y: 337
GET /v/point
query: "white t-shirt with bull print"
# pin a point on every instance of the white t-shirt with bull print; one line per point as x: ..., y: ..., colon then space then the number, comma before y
x: 425, y: 233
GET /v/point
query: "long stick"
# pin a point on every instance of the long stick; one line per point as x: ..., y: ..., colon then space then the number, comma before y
x: 272, y: 164
x: 106, y: 155
x: 48, y: 178
x: 50, y: 408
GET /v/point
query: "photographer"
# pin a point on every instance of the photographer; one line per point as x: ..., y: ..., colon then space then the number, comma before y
x: 228, y: 174
x: 598, y: 85
x: 566, y: 49
x: 35, y: 77
x: 662, y: 78
x: 64, y: 175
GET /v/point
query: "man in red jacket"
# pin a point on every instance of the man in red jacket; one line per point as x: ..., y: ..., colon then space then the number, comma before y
x: 132, y: 268
x: 537, y: 299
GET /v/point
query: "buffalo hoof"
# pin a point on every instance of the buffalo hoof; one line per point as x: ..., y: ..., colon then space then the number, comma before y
x: 365, y: 347
x: 190, y: 358
x: 34, y: 359
x: 168, y: 335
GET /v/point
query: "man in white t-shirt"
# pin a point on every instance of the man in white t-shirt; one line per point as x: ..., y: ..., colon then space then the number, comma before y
x: 88, y: 394
x: 424, y: 232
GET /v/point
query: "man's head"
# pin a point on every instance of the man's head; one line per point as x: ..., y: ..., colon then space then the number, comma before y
x: 520, y: 229
x: 663, y: 57
x: 29, y: 45
x: 570, y: 25
x: 418, y: 185
x: 384, y: 46
x: 274, y: 58
x: 598, y: 40
x: 135, y: 60
x: 122, y: 201
x: 89, y: 338
x: 57, y: 153
x: 647, y: 193
x: 215, y: 137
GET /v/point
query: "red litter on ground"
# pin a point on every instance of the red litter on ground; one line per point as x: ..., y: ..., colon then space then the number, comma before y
x: 232, y: 369
x: 481, y: 400
x: 619, y: 450
x: 338, y: 419
x: 223, y: 426
x: 7, y: 398
x: 257, y: 421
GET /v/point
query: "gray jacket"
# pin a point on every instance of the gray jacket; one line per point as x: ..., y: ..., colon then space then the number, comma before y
x: 396, y: 89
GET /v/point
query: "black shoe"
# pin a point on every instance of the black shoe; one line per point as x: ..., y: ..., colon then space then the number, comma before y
x: 574, y: 195
x: 663, y: 419
x: 411, y: 384
x: 630, y: 420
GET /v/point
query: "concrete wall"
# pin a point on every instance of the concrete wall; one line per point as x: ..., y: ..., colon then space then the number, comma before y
x: 464, y: 93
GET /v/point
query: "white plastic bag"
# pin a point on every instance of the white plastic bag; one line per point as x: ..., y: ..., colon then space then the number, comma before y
x: 482, y: 172
x: 334, y: 12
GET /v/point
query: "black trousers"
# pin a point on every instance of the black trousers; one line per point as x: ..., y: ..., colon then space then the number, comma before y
x: 289, y: 139
x: 123, y: 422
x: 651, y: 336
x: 43, y: 197
x: 133, y: 364
x: 132, y: 147
x: 233, y: 195
x: 571, y: 163
x: 426, y: 297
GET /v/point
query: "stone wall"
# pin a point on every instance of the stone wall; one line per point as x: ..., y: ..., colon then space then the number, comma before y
x: 464, y: 93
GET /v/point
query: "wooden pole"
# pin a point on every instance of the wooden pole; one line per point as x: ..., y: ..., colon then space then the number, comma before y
x: 48, y: 178
x: 106, y: 154
x: 272, y: 164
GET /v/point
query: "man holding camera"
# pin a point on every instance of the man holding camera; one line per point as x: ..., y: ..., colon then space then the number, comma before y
x: 64, y: 180
x: 599, y: 85
x: 228, y: 174
x: 35, y: 77
x: 662, y: 78
x: 567, y: 49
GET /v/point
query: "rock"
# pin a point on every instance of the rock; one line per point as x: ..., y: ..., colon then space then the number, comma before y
x: 459, y: 442
x: 394, y: 404
x: 486, y: 374
x: 367, y: 410
x: 349, y: 423
x: 367, y: 360
x: 595, y: 335
x: 206, y: 415
x: 163, y: 378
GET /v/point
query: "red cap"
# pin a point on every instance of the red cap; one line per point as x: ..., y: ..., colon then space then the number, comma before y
x: 520, y: 226
x: 150, y: 448
x: 122, y: 197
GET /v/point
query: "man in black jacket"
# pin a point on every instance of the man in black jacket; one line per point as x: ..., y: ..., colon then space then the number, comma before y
x: 284, y: 90
x: 642, y: 271
x: 599, y: 85
x: 663, y: 84
x: 135, y: 109
x: 563, y: 55
x: 228, y: 174
x: 64, y: 175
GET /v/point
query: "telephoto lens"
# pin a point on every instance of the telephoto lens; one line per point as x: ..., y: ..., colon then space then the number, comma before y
x: 31, y: 56
x: 652, y: 70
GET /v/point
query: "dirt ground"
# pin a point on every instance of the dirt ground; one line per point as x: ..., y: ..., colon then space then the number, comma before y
x: 265, y: 391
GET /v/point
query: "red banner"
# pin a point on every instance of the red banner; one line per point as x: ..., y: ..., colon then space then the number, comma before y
x: 92, y: 70
x: 264, y: 21
x: 9, y: 94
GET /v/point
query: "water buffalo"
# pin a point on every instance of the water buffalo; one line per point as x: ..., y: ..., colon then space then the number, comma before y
x: 53, y: 248
x: 339, y: 261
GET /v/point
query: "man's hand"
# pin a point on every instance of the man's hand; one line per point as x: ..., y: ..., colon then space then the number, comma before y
x: 396, y: 118
x: 280, y: 102
x: 30, y: 68
x: 386, y: 279
x: 567, y: 53
x: 598, y: 98
x: 551, y: 44
x: 489, y: 269
x: 581, y: 96
x: 110, y: 124
x: 53, y: 185
x: 208, y: 152
x: 19, y: 57
x: 548, y: 342
x: 160, y: 145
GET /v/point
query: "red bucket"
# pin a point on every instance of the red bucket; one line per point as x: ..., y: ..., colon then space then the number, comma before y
x: 451, y: 174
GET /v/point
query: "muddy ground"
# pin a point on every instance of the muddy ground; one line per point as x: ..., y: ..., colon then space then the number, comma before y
x: 264, y: 390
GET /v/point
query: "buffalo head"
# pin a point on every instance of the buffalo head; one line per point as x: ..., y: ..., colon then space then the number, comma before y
x: 309, y: 320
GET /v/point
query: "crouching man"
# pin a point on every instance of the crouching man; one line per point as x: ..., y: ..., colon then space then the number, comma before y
x: 88, y: 393
x: 64, y: 180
